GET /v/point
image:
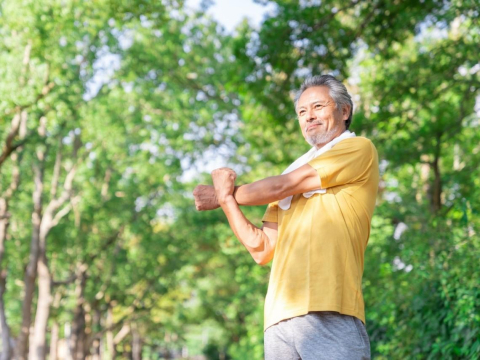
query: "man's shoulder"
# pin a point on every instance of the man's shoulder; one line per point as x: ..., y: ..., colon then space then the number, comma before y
x: 358, y: 143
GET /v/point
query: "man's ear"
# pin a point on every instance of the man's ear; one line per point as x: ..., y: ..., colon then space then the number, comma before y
x: 346, y: 111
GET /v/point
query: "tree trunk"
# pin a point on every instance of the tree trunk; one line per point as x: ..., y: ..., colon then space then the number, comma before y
x: 19, y: 125
x: 31, y: 271
x: 50, y: 219
x: 67, y: 332
x: 21, y: 350
x: 6, y: 348
x: 136, y: 344
x: 437, y: 187
x: 78, y: 338
x: 39, y: 339
x: 110, y: 337
x: 4, y: 329
x: 54, y: 341
x: 96, y: 341
x: 436, y: 194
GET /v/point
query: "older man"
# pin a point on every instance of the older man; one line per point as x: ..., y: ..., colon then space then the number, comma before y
x: 315, y: 229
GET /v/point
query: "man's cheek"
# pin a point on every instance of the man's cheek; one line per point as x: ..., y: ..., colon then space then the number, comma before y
x: 302, y: 129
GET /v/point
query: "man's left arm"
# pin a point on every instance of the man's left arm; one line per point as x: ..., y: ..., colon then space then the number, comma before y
x: 264, y: 191
x: 339, y: 167
x: 275, y: 188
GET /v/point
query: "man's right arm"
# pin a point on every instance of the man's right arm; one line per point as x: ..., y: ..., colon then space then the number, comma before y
x: 260, y: 243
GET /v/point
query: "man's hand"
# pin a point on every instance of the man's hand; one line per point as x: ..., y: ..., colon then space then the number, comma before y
x: 224, y: 183
x: 205, y: 198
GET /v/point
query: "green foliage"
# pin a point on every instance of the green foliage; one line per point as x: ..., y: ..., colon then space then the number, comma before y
x: 144, y: 96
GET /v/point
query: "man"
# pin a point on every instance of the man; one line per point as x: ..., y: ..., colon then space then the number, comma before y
x: 315, y: 229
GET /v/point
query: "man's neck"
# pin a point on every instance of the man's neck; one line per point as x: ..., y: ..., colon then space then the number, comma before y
x: 319, y: 146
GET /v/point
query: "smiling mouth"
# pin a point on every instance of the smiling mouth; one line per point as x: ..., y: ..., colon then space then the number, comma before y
x: 312, y: 126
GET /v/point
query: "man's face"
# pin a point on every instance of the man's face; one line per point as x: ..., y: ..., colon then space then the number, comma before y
x: 320, y: 119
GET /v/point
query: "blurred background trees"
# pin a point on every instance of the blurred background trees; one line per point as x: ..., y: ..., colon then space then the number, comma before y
x: 112, y: 111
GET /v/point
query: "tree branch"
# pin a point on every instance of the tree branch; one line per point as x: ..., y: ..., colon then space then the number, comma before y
x: 8, y: 147
x: 26, y: 62
x: 67, y: 281
x: 121, y: 334
x: 59, y: 215
x: 56, y: 170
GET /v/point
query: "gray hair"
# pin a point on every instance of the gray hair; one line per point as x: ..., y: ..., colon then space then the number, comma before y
x: 338, y: 92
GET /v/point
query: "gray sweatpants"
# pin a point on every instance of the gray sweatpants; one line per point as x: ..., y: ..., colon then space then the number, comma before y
x: 318, y: 335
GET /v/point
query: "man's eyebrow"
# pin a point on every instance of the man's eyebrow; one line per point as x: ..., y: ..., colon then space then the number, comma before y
x: 313, y: 102
x: 319, y: 102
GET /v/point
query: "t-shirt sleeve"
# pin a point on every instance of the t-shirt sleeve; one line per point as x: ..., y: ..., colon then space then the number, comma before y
x: 271, y: 214
x: 348, y: 162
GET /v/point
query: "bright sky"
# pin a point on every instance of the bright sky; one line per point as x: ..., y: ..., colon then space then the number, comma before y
x: 230, y: 13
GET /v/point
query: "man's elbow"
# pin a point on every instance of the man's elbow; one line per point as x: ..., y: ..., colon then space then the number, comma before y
x: 262, y: 260
x: 289, y: 184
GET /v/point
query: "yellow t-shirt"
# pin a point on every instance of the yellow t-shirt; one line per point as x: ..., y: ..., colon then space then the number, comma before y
x: 318, y: 261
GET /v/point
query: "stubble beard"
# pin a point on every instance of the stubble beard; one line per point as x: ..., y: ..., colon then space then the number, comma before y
x: 322, y: 138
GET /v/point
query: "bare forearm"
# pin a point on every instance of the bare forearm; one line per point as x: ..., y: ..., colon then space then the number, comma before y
x: 260, y: 192
x: 254, y: 239
x: 275, y: 188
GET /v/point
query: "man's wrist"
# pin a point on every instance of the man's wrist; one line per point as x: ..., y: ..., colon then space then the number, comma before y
x: 235, y: 189
x: 226, y: 200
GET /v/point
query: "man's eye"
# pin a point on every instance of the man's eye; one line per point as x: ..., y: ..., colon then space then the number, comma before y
x: 301, y: 112
x: 318, y: 106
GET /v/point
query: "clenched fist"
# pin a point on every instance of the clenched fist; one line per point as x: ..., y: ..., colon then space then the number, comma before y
x: 224, y: 183
x: 205, y: 198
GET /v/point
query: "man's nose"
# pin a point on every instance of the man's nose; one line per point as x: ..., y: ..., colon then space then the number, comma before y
x: 311, y: 115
